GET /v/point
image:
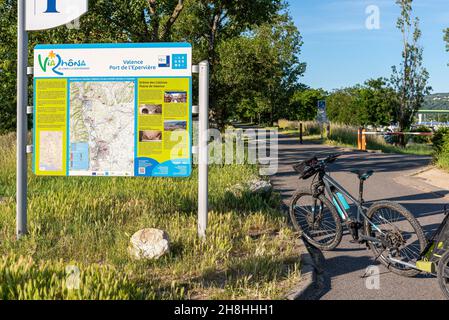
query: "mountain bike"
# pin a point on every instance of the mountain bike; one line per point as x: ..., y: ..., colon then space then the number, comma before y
x: 320, y: 212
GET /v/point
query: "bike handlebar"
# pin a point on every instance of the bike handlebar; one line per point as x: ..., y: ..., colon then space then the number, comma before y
x: 331, y: 159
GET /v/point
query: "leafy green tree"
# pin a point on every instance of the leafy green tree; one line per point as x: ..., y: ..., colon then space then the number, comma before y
x: 258, y: 72
x: 376, y: 103
x: 341, y: 106
x: 373, y: 103
x: 209, y: 24
x: 304, y: 104
x: 410, y: 80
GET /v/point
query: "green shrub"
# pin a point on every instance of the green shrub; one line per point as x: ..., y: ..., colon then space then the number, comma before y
x: 438, y: 139
x: 442, y: 157
x: 422, y: 139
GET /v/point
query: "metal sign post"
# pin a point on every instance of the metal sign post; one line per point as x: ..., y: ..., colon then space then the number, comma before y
x: 203, y: 166
x: 22, y: 125
x: 37, y: 15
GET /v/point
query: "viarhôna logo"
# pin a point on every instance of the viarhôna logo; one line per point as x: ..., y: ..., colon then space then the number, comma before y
x: 54, y: 62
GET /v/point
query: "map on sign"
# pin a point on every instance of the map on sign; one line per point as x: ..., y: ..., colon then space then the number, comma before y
x: 113, y: 110
x: 102, y: 127
x: 50, y: 159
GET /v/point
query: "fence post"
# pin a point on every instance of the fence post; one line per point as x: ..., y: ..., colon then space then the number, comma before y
x: 301, y: 128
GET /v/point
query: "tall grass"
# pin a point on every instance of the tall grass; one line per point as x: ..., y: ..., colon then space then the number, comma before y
x: 442, y: 158
x: 249, y: 253
x: 310, y: 128
x: 344, y: 135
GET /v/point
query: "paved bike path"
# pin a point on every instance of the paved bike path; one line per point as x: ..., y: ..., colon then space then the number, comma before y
x: 345, y: 266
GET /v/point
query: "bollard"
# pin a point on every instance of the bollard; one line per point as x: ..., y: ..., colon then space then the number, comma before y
x: 363, y: 142
x: 301, y: 133
x: 359, y: 139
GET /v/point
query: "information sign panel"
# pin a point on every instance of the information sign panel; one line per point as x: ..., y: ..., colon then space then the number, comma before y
x: 113, y: 110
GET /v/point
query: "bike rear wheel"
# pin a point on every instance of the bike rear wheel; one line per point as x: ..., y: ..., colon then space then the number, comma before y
x: 443, y: 274
x: 403, y: 238
x: 316, y: 219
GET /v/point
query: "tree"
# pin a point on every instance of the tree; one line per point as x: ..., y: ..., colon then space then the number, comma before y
x: 373, y: 103
x: 210, y: 23
x: 258, y: 71
x: 377, y: 103
x: 341, y: 106
x: 304, y: 104
x: 411, y: 78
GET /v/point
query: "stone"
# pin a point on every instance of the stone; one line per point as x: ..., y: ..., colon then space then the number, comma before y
x: 260, y: 187
x: 149, y: 244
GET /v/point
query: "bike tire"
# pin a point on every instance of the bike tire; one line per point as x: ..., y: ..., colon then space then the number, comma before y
x: 376, y: 207
x: 442, y: 279
x: 328, y: 246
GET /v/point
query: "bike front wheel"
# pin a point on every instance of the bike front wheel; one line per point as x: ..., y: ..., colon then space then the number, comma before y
x: 399, y: 234
x: 316, y: 219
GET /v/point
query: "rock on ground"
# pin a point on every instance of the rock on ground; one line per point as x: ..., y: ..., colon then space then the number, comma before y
x: 260, y: 187
x: 149, y: 244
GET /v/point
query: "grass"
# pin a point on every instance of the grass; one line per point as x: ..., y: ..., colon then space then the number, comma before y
x: 310, y: 128
x: 346, y: 136
x: 442, y: 158
x: 250, y: 252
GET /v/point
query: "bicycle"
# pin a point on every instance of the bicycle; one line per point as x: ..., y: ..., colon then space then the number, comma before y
x: 391, y: 232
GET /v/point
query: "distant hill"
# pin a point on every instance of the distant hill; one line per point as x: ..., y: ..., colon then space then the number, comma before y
x: 437, y: 101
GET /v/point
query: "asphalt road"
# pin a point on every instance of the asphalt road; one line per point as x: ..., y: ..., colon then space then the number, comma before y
x: 345, y: 266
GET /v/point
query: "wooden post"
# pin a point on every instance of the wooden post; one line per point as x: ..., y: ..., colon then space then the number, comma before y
x: 301, y: 133
x: 363, y: 139
x: 328, y: 130
x: 359, y: 139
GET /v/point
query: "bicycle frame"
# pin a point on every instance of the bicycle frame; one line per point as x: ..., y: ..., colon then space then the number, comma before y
x: 326, y: 186
x: 330, y: 183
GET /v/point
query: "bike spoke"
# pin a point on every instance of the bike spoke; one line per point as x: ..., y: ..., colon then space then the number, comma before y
x: 315, y: 220
x: 393, y: 224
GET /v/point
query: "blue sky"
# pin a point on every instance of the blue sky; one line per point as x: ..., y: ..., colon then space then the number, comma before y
x: 340, y: 51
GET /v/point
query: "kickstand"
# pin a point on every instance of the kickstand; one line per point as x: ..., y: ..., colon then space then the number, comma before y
x: 365, y: 275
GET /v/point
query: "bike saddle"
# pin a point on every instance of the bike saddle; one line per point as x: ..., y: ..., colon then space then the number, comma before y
x: 363, y: 174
